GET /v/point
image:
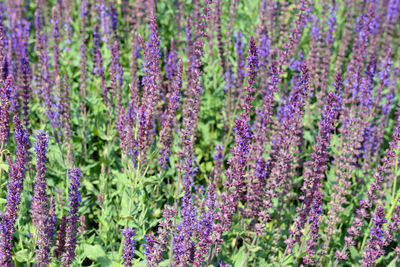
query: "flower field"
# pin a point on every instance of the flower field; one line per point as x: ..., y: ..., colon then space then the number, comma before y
x: 199, y: 133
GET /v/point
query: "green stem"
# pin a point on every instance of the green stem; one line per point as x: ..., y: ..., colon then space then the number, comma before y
x: 395, y: 260
x: 1, y: 157
x: 392, y: 206
x: 248, y: 252
x: 395, y: 174
x: 366, y: 234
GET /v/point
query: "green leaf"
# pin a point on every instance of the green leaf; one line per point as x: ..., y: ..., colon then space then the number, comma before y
x: 240, y: 257
x: 22, y: 255
x: 93, y: 252
x: 354, y: 252
x: 4, y: 167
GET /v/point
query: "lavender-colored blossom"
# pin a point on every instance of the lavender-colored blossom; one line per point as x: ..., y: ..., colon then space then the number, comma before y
x: 384, y: 173
x: 184, y: 245
x: 84, y: 15
x: 60, y: 244
x: 105, y: 23
x: 152, y: 88
x: 205, y: 228
x: 235, y: 181
x: 287, y: 140
x: 354, y: 70
x: 4, y: 66
x: 156, y: 246
x: 294, y: 35
x: 219, y: 164
x: 374, y: 248
x: 114, y: 19
x: 17, y: 174
x: 75, y: 176
x: 171, y: 62
x: 129, y: 246
x: 311, y: 201
x: 169, y: 115
x: 25, y: 87
x: 5, y: 104
x: 40, y: 205
x: 219, y: 34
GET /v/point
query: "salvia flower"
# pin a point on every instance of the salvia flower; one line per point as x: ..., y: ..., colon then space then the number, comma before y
x: 383, y: 173
x: 169, y: 116
x: 17, y: 174
x: 40, y: 205
x: 60, y: 244
x: 75, y: 176
x: 129, y: 246
x: 311, y: 206
x: 237, y: 164
x: 5, y: 105
x: 374, y: 248
x: 156, y: 246
x: 152, y: 87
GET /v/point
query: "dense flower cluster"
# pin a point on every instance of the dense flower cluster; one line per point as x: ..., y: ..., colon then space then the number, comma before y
x: 160, y: 144
x: 129, y: 246
x: 75, y: 176
x: 41, y: 216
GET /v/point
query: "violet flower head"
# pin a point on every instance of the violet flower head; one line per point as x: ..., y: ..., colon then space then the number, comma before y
x: 315, y: 30
x: 312, y: 199
x: 252, y: 60
x: 265, y: 44
x: 152, y: 88
x: 5, y: 104
x: 60, y: 244
x: 129, y: 246
x: 393, y: 10
x: 169, y: 116
x: 252, y: 68
x: 219, y: 163
x: 26, y: 87
x: 41, y: 216
x: 17, y: 169
x: 171, y: 62
x: 205, y: 228
x: 17, y: 174
x: 114, y: 18
x: 184, y: 246
x: 243, y: 135
x: 331, y: 22
x: 105, y: 24
x: 72, y: 227
x: 374, y: 249
x: 155, y: 246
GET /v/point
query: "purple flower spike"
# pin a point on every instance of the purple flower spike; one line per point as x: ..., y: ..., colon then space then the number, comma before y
x: 129, y: 246
x: 60, y: 245
x: 169, y: 116
x: 237, y: 164
x: 17, y: 174
x: 40, y: 206
x: 374, y: 248
x: 72, y: 218
x: 5, y: 104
